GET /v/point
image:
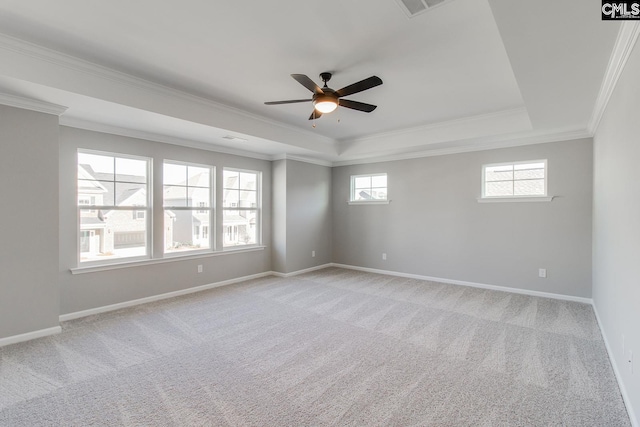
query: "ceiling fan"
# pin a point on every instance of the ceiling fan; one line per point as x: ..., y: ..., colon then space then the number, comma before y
x: 325, y: 99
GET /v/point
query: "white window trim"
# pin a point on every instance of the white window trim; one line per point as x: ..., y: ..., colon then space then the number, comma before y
x: 148, y: 214
x: 515, y: 199
x: 502, y: 199
x: 158, y: 257
x: 352, y: 188
x: 211, y: 209
x: 137, y: 263
x: 368, y: 202
x: 257, y: 208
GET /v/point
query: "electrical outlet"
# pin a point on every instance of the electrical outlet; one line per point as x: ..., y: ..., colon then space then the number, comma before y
x: 199, y: 268
x: 542, y: 272
x: 384, y: 256
x: 313, y: 254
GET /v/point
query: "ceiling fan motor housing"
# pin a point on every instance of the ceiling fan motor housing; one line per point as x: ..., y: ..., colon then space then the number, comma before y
x: 329, y: 95
x: 325, y: 77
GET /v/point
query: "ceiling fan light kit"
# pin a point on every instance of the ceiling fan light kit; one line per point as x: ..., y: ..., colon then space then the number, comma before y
x: 326, y: 100
x: 325, y: 103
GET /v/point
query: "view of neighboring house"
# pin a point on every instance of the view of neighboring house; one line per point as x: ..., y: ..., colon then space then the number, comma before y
x: 92, y: 224
x: 240, y: 191
x: 188, y: 229
x: 107, y: 232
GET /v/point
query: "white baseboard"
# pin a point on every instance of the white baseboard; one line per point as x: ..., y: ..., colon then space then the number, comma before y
x: 125, y: 304
x: 30, y: 336
x: 616, y: 371
x: 471, y: 284
x: 306, y: 270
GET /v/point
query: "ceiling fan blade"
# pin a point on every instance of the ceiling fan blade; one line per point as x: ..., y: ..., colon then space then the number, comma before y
x: 292, y: 101
x: 355, y: 105
x: 307, y: 82
x: 315, y: 115
x: 365, y: 84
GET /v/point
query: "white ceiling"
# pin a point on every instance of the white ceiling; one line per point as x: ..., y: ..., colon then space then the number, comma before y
x: 464, y: 73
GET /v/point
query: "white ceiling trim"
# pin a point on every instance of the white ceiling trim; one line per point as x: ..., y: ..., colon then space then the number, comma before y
x: 477, y: 145
x: 302, y: 159
x: 153, y: 137
x: 461, y: 122
x: 31, y: 104
x: 504, y: 122
x: 626, y: 40
x: 40, y: 53
x: 60, y: 59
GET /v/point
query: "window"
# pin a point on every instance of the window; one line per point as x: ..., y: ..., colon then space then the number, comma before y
x: 187, y: 200
x: 369, y: 188
x: 116, y: 216
x: 241, y: 207
x: 513, y: 180
x: 113, y: 202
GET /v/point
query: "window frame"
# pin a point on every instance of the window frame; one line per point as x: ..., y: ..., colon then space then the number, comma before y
x: 211, y: 209
x: 92, y: 208
x: 257, y: 208
x: 532, y: 197
x: 352, y: 188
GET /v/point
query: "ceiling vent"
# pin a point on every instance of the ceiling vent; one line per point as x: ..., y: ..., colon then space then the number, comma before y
x: 416, y: 7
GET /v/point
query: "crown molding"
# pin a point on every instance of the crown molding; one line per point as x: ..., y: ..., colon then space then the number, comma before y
x: 475, y: 145
x: 313, y: 161
x: 503, y: 114
x: 31, y: 104
x: 153, y: 137
x: 70, y: 62
x: 626, y: 40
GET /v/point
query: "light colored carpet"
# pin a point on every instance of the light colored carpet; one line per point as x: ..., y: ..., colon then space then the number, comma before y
x: 332, y: 347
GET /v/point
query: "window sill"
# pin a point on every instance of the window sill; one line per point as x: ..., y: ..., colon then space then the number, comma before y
x: 170, y: 258
x: 369, y: 202
x: 514, y: 199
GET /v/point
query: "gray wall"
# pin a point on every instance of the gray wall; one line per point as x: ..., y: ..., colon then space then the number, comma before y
x: 302, y: 215
x: 279, y: 199
x: 308, y: 215
x: 616, y: 226
x: 29, y: 297
x: 435, y: 227
x: 90, y: 290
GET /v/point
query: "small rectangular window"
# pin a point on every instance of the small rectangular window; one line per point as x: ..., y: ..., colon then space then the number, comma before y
x: 241, y: 207
x: 369, y: 188
x: 187, y: 199
x: 517, y: 179
x: 113, y: 203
